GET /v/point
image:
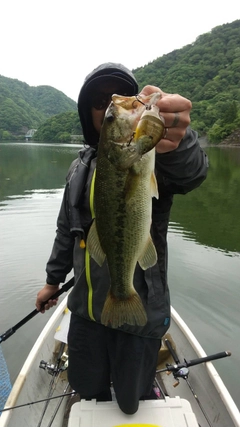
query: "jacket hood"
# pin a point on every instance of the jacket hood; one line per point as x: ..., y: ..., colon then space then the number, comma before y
x: 104, y: 72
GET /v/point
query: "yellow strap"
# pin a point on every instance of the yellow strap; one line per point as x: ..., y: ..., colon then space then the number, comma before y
x: 87, y: 255
x: 90, y: 291
x: 92, y: 194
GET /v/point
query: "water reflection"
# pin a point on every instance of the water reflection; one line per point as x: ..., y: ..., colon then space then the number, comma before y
x: 210, y: 215
x: 177, y: 228
x: 25, y: 167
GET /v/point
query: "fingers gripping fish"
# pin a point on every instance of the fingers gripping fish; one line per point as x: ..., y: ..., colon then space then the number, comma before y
x: 124, y: 186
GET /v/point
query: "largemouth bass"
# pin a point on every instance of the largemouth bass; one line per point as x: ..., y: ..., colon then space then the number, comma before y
x: 124, y: 186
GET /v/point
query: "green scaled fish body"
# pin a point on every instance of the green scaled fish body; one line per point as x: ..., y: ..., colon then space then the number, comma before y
x: 124, y: 186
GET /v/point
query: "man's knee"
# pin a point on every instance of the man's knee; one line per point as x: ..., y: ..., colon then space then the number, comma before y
x: 129, y: 406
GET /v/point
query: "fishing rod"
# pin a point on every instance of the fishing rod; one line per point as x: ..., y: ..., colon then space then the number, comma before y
x: 188, y: 363
x: 22, y: 322
x: 180, y: 370
x: 58, y: 405
x: 72, y: 393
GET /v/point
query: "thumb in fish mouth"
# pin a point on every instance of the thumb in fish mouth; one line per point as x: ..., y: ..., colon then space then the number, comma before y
x: 149, y: 131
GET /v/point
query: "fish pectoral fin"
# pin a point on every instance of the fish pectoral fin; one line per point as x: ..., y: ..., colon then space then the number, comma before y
x: 93, y: 245
x: 149, y: 255
x: 127, y: 161
x: 123, y: 156
x: 154, y: 186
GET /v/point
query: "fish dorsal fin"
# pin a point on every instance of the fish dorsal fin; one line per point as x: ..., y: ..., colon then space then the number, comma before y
x: 93, y: 245
x: 148, y: 257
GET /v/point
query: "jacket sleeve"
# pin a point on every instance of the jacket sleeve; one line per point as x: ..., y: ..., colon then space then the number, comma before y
x: 60, y: 262
x: 181, y: 170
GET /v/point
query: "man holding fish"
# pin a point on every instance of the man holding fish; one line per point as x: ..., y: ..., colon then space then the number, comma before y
x: 112, y: 229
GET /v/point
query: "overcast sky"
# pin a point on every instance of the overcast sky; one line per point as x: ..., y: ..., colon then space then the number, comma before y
x: 57, y: 43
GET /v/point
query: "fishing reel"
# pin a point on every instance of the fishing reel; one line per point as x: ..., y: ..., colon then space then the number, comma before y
x: 54, y: 369
x: 50, y: 368
x: 178, y: 373
x: 180, y: 370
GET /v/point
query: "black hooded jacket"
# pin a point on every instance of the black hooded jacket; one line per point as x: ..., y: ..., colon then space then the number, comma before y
x: 104, y: 72
x: 177, y: 172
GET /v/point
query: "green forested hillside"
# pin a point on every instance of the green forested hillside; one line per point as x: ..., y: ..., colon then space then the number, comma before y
x: 59, y: 128
x: 24, y: 107
x: 207, y: 72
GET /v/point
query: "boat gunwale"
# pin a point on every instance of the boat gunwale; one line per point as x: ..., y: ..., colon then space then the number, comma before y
x: 21, y: 378
x: 213, y: 374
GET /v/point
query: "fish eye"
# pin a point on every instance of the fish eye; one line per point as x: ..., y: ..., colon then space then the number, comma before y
x: 110, y: 117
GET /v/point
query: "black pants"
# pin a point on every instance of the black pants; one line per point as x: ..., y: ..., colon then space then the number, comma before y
x: 98, y: 354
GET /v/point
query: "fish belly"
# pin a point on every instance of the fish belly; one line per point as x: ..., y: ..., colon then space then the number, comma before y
x: 123, y: 205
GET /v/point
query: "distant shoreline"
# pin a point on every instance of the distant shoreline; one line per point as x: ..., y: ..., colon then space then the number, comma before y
x: 232, y: 140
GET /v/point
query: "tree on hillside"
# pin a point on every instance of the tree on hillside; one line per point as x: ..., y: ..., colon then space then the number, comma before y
x: 207, y: 72
x: 59, y: 128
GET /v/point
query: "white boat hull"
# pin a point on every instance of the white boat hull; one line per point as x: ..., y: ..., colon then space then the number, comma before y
x: 32, y: 384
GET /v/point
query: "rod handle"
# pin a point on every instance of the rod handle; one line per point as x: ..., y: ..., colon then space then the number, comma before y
x: 216, y: 356
x: 171, y: 350
x: 22, y: 322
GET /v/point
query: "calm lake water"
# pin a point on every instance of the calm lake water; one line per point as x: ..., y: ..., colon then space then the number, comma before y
x: 204, y: 249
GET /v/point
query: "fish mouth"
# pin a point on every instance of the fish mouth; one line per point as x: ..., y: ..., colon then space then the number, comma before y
x: 136, y: 102
x: 127, y: 108
x: 134, y: 124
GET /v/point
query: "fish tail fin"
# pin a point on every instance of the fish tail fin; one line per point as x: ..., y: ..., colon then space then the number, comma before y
x: 117, y: 311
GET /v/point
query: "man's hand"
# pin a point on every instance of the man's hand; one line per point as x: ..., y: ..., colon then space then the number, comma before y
x: 175, y: 110
x: 46, y: 292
